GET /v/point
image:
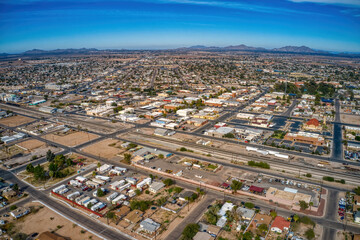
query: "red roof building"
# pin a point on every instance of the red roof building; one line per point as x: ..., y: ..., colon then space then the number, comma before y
x: 313, y: 124
x: 280, y: 224
x: 256, y: 189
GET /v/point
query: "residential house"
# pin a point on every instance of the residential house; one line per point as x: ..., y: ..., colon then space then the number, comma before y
x: 134, y: 216
x: 150, y: 226
x: 280, y: 225
x: 18, y: 213
x: 156, y: 186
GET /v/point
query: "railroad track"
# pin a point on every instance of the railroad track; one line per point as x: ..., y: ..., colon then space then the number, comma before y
x: 351, y: 177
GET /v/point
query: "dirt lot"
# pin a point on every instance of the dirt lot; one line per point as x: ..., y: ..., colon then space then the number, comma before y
x: 31, y: 144
x: 108, y: 148
x: 15, y: 121
x: 47, y: 220
x: 12, y: 151
x: 351, y: 119
x: 72, y: 139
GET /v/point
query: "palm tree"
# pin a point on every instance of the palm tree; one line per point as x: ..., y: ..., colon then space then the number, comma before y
x: 110, y: 215
x: 311, y: 204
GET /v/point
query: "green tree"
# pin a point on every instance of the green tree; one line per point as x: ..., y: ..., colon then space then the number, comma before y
x: 178, y: 190
x: 100, y: 192
x: 59, y: 160
x: 357, y: 190
x: 236, y: 185
x: 20, y: 236
x: 303, y: 205
x: 30, y: 168
x: 249, y: 205
x: 39, y: 173
x: 211, y: 215
x: 247, y: 236
x: 127, y: 158
x: 311, y: 204
x: 310, y: 234
x: 168, y: 182
x: 161, y: 156
x: 229, y: 135
x: 13, y: 207
x: 263, y: 228
x: 110, y: 216
x: 273, y: 214
x: 329, y: 179
x: 190, y: 231
x: 50, y: 156
x: 296, y: 217
x: 51, y: 174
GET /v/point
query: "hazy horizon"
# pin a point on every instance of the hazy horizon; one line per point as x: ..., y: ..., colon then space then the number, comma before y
x: 328, y: 25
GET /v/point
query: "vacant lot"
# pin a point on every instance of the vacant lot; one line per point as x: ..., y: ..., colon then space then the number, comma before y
x: 47, y: 220
x: 71, y: 139
x: 31, y: 144
x: 15, y: 121
x: 108, y: 148
x: 349, y: 118
x: 8, y: 153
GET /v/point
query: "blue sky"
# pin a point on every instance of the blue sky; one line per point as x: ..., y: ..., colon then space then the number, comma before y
x: 332, y: 25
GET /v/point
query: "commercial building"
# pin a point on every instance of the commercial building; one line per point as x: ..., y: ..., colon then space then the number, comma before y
x: 48, y: 109
x: 220, y: 132
x: 305, y: 137
x: 313, y: 124
x: 185, y: 112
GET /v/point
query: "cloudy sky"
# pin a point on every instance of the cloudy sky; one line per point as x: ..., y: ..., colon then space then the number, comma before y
x: 332, y: 25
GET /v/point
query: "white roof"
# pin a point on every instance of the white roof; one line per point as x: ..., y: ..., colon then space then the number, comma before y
x: 290, y: 190
x: 226, y: 207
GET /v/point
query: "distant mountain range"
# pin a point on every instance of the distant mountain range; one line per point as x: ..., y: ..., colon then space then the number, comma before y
x: 241, y: 47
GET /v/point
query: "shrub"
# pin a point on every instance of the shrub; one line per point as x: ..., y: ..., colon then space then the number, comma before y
x: 249, y: 205
x: 183, y: 149
x: 329, y: 179
x: 259, y: 164
x: 190, y: 231
x: 310, y: 234
x: 13, y: 207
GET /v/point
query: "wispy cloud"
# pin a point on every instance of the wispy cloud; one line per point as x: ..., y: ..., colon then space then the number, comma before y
x: 353, y: 3
x: 252, y: 7
x: 236, y: 5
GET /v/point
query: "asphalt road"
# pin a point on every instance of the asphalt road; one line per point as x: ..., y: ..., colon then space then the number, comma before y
x: 288, y: 112
x: 337, y: 151
x: 193, y: 217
